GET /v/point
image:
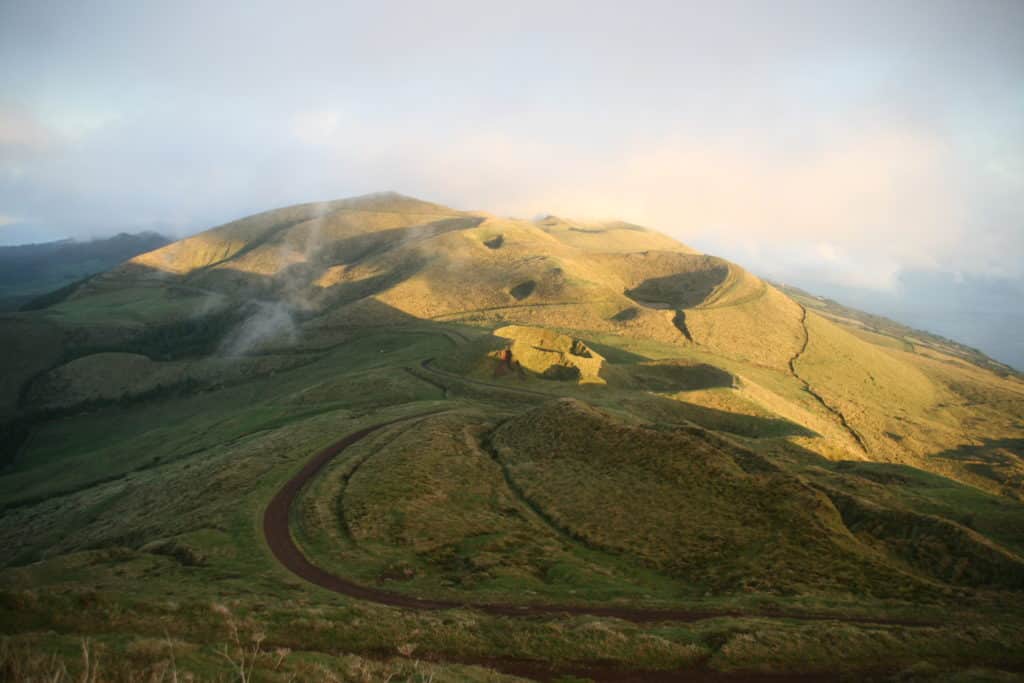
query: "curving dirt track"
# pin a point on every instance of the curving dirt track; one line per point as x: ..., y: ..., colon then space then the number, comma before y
x: 276, y: 529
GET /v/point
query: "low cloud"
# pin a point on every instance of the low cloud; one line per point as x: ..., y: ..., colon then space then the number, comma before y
x: 896, y: 136
x: 22, y: 133
x: 269, y: 324
x: 882, y: 197
x: 859, y: 205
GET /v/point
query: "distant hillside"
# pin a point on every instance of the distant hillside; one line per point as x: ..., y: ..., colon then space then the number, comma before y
x: 29, y: 270
x: 908, y: 337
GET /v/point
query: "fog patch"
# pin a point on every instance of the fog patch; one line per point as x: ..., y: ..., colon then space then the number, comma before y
x: 211, y: 303
x: 269, y: 324
x: 300, y: 265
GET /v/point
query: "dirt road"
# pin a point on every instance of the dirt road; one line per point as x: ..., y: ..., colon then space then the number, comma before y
x: 276, y: 528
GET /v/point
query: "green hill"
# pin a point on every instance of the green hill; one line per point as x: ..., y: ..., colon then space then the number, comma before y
x: 546, y: 447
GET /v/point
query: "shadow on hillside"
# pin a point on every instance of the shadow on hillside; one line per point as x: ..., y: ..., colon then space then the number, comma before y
x: 666, y: 376
x: 1013, y: 449
x: 925, y: 521
x: 887, y: 473
x: 680, y: 290
x: 615, y: 355
x: 672, y: 411
x: 999, y: 460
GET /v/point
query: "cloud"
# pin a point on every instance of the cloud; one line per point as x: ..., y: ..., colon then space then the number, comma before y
x: 317, y: 127
x: 826, y: 253
x: 267, y: 324
x: 896, y: 137
x: 862, y: 202
x: 23, y: 136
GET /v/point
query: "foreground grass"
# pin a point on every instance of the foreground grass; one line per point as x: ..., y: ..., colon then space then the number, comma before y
x: 172, y: 547
x: 243, y: 656
x: 309, y: 637
x: 424, y: 509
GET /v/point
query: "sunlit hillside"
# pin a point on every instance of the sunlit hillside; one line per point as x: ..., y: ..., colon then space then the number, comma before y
x: 381, y: 423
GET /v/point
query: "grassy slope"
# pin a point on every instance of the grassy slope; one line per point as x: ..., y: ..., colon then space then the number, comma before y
x: 688, y: 507
x: 911, y: 409
x: 30, y: 346
x: 161, y: 493
x: 886, y: 332
x: 75, y: 451
x: 428, y: 511
x: 196, y: 544
x: 731, y: 326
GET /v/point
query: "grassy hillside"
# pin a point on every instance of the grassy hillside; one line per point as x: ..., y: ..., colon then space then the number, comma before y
x: 885, y: 332
x: 619, y: 460
x: 723, y: 520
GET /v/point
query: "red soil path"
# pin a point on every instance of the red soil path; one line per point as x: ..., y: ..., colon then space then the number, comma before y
x: 276, y: 529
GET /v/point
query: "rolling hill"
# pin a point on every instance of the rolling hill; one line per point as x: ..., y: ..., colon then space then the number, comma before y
x: 545, y: 447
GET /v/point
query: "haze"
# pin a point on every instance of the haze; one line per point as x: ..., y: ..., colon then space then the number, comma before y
x: 857, y: 150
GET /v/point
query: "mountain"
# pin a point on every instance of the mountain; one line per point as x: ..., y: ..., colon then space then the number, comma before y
x: 665, y: 462
x: 32, y: 270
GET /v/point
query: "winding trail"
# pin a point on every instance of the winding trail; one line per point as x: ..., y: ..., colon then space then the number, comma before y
x: 276, y: 529
x: 807, y: 386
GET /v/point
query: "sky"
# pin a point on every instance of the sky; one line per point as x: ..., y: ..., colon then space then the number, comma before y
x: 858, y: 148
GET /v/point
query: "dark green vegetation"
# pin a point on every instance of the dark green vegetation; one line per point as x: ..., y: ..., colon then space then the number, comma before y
x: 818, y: 501
x: 34, y: 276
